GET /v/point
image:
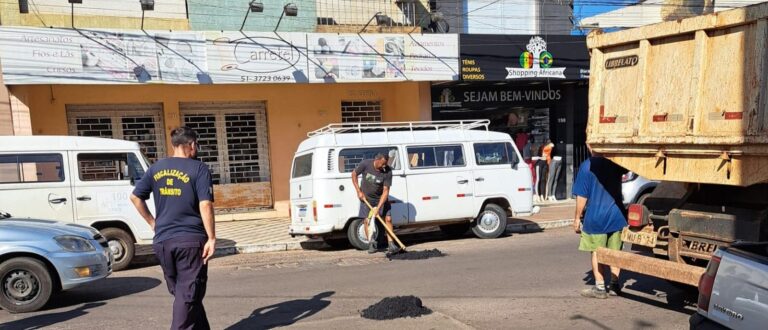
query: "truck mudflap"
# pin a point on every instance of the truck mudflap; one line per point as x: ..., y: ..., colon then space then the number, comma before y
x: 668, y: 270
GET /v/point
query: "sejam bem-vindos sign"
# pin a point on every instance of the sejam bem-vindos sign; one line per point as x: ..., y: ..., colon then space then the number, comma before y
x: 87, y: 56
x: 519, y: 57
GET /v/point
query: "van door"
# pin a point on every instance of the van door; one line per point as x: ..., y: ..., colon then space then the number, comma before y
x: 348, y: 160
x: 102, y: 187
x: 440, y: 184
x: 499, y: 173
x: 36, y: 185
x: 302, y: 209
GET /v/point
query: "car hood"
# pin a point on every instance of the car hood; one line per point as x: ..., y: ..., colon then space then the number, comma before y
x: 45, y: 227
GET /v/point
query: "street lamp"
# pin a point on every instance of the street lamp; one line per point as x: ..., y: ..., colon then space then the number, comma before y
x: 253, y: 6
x: 146, y: 5
x: 288, y: 10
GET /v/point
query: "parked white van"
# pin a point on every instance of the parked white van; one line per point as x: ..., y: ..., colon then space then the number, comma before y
x: 76, y: 179
x: 455, y: 174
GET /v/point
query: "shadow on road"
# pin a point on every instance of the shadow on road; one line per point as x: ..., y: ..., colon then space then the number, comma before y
x: 284, y: 313
x: 46, y: 320
x: 594, y: 324
x: 106, y: 289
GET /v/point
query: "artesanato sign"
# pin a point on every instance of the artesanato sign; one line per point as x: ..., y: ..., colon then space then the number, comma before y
x: 536, y: 62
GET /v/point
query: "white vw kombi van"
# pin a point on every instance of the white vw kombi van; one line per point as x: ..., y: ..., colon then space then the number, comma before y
x: 76, y: 179
x: 455, y: 174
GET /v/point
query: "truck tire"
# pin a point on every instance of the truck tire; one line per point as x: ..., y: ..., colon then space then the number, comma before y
x: 491, y: 223
x: 455, y: 229
x: 337, y: 243
x: 122, y: 246
x: 356, y: 234
x: 25, y: 285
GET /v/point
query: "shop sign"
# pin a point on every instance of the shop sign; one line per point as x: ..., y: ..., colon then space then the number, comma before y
x: 510, y: 57
x: 475, y: 97
x: 79, y: 56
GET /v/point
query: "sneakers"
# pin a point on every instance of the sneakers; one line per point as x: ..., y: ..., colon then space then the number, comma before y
x: 372, y: 248
x: 594, y: 292
x: 393, y: 248
x: 614, y: 289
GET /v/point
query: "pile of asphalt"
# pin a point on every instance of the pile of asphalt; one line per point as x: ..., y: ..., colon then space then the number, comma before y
x: 415, y: 255
x: 395, y: 307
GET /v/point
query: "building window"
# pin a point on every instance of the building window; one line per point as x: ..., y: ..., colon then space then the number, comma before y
x: 232, y: 137
x: 141, y: 123
x: 360, y: 111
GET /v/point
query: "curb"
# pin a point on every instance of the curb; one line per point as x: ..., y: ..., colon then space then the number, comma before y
x: 539, y: 226
x: 316, y: 244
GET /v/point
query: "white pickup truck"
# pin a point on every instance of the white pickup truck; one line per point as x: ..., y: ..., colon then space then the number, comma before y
x: 733, y: 292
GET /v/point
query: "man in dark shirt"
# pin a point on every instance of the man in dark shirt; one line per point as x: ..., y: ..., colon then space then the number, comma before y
x: 185, y: 236
x: 377, y: 178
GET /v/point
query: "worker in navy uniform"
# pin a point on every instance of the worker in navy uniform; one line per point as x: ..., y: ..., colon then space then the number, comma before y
x: 185, y: 236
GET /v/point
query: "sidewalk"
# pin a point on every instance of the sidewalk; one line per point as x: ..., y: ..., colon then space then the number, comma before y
x: 269, y: 235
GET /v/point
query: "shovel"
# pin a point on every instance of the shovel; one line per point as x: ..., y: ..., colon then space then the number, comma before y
x: 384, y: 224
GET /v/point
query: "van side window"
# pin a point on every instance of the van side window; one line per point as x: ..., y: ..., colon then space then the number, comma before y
x: 350, y: 158
x: 302, y: 166
x: 31, y: 168
x: 500, y: 153
x: 108, y: 167
x: 436, y: 156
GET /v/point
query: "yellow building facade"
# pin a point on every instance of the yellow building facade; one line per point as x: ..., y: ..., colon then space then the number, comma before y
x: 285, y: 113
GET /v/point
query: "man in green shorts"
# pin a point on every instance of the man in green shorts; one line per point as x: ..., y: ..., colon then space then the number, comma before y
x: 598, y: 189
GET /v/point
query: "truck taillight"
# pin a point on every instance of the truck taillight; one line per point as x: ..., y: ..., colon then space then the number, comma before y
x: 706, y: 283
x: 636, y: 215
x: 314, y: 209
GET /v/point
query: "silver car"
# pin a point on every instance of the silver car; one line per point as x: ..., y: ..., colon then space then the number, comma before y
x: 41, y: 257
x: 635, y: 188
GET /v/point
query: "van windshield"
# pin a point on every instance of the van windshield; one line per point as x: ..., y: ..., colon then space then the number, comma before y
x: 302, y: 166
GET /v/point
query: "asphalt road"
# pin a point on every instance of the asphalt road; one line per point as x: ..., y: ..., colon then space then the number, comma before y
x: 520, y: 281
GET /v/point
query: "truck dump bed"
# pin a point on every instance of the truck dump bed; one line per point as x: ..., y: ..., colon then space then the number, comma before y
x: 684, y: 100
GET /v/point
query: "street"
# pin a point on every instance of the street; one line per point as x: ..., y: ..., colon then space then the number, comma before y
x: 528, y: 281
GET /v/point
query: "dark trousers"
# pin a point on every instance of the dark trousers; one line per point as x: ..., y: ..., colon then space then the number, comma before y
x: 186, y: 276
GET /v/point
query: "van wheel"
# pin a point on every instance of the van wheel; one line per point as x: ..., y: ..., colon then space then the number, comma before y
x: 122, y: 246
x: 491, y: 223
x: 25, y: 285
x: 337, y: 243
x: 356, y: 234
x: 456, y: 229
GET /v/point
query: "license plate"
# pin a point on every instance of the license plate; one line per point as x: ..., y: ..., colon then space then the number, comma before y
x: 644, y: 238
x: 302, y: 212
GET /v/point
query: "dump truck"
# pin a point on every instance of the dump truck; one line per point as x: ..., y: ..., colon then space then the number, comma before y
x: 685, y: 102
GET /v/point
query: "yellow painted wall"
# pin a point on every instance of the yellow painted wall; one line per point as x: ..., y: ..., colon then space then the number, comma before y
x: 292, y: 109
x: 10, y: 16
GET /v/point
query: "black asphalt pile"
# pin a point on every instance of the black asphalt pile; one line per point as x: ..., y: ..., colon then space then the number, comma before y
x: 395, y: 307
x: 416, y: 255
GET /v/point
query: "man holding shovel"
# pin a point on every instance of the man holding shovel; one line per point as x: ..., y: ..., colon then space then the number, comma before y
x: 377, y: 178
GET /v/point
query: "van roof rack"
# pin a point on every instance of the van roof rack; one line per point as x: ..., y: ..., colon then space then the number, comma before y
x: 401, y: 126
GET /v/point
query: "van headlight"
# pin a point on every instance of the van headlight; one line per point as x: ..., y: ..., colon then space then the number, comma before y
x: 74, y: 243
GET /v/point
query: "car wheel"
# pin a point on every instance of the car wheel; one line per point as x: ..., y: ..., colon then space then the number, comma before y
x: 337, y: 243
x: 456, y: 229
x: 25, y: 285
x: 122, y: 246
x: 356, y: 234
x: 491, y: 223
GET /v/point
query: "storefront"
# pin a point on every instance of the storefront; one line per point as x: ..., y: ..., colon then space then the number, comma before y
x: 533, y: 88
x: 252, y: 99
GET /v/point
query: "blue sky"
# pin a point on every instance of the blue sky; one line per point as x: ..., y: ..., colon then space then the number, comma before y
x: 587, y: 8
